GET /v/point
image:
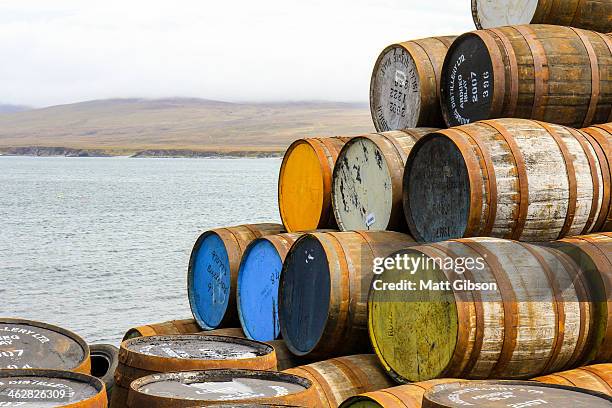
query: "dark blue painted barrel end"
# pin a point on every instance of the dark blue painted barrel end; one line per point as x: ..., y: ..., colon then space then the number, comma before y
x: 257, y: 291
x: 304, y: 295
x: 208, y: 280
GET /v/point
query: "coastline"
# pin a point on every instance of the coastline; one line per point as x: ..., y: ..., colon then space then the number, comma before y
x: 59, y: 151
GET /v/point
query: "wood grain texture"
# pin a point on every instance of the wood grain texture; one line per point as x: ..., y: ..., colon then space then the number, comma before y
x: 404, y: 89
x: 367, y: 180
x: 538, y: 319
x: 544, y: 72
x: 527, y: 180
x: 596, y: 377
x: 324, y: 288
x: 304, y: 183
x: 340, y: 378
x: 184, y: 326
x: 593, y: 15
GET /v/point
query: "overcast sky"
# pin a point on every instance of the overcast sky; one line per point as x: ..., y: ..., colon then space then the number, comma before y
x: 64, y: 51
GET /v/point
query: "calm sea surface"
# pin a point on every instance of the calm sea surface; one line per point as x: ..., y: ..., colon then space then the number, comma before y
x: 98, y: 245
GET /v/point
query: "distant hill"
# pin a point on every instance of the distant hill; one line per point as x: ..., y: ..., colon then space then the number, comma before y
x: 129, y: 126
x: 12, y: 108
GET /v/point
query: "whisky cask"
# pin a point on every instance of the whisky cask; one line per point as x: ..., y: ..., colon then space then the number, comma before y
x: 593, y: 15
x: 257, y: 287
x: 601, y: 138
x: 595, y: 378
x: 507, y: 178
x: 367, y: 180
x: 543, y: 72
x: 160, y: 354
x: 593, y: 255
x: 531, y: 314
x: 340, y: 378
x: 184, y: 326
x: 323, y: 290
x: 38, y: 387
x: 496, y: 394
x: 210, y: 387
x: 29, y: 344
x: 304, y: 183
x: 104, y: 360
x: 404, y: 90
x: 402, y: 396
x: 213, y: 270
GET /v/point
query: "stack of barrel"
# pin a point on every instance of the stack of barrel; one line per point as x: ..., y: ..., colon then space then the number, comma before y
x: 490, y: 177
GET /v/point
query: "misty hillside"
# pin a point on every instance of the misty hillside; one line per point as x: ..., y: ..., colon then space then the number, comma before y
x: 180, y: 123
x: 12, y: 108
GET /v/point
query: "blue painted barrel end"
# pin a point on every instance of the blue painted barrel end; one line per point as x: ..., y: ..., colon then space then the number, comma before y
x: 304, y: 295
x: 208, y: 280
x: 257, y: 291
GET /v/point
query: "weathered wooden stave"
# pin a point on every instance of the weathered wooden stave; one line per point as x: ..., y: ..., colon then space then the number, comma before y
x: 507, y: 178
x: 340, y: 378
x: 367, y: 180
x: 302, y: 394
x: 304, y: 183
x: 418, y: 63
x: 135, y: 364
x: 214, y: 263
x: 557, y: 322
x: 596, y: 377
x: 183, y: 326
x: 549, y: 73
x: 330, y: 292
x: 587, y: 14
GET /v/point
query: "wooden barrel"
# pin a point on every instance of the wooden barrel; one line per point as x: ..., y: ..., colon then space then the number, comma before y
x: 595, y: 378
x: 550, y: 73
x: 213, y: 270
x: 601, y: 136
x: 593, y: 254
x: 160, y: 354
x: 324, y: 287
x: 30, y: 344
x: 501, y: 394
x: 402, y: 396
x: 340, y: 378
x: 185, y: 326
x: 304, y: 183
x: 367, y: 180
x: 57, y: 388
x: 404, y: 90
x: 507, y: 178
x: 481, y: 308
x: 587, y: 14
x: 184, y: 389
x: 257, y: 288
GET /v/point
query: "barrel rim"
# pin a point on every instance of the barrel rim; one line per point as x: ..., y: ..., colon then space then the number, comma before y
x: 191, y: 280
x: 136, y: 385
x: 94, y: 382
x: 347, y: 403
x: 257, y: 345
x: 292, y: 349
x: 347, y: 145
x: 245, y: 255
x: 412, y: 228
x: 310, y: 142
x: 83, y: 365
x: 534, y: 384
x: 478, y: 22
